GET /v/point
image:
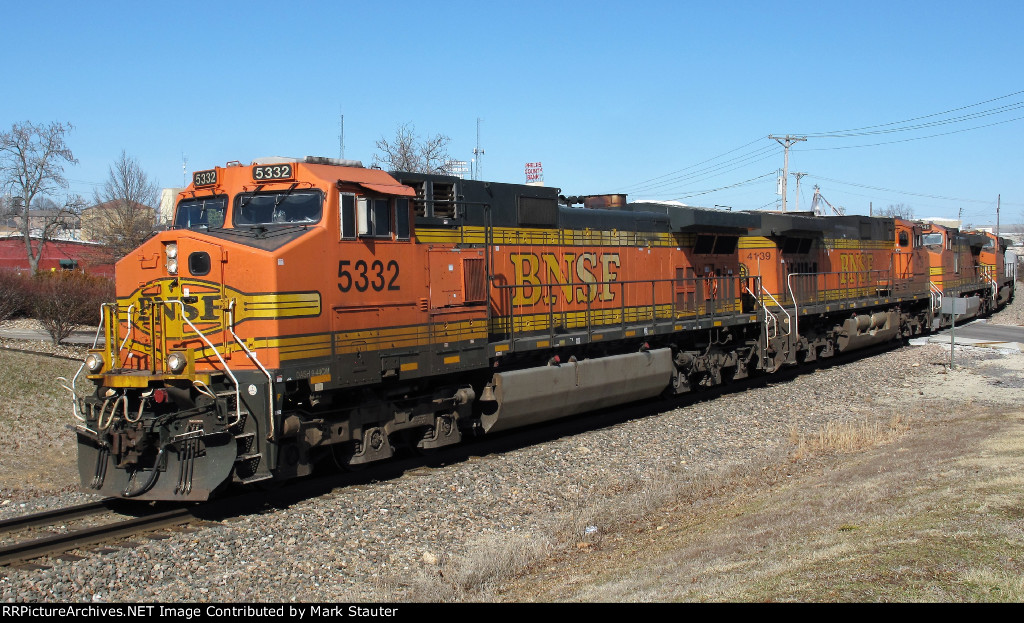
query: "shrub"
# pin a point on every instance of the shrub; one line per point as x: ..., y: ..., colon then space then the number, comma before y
x: 62, y: 300
x: 14, y: 290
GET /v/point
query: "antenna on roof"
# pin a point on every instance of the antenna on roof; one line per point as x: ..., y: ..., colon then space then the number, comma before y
x: 477, y: 152
x: 341, y: 139
x: 184, y: 168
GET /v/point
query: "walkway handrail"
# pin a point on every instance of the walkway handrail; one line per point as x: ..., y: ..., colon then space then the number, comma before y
x: 789, y: 320
x: 796, y: 305
x: 936, y: 296
x: 74, y: 379
x: 227, y: 369
x: 252, y: 356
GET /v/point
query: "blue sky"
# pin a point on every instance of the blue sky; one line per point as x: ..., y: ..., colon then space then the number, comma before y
x: 607, y: 95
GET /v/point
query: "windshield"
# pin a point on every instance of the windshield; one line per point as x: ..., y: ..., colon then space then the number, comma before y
x: 300, y: 207
x: 930, y: 239
x: 201, y: 212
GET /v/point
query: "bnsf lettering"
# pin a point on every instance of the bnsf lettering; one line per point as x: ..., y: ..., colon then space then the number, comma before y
x: 854, y: 263
x: 207, y: 305
x: 595, y: 273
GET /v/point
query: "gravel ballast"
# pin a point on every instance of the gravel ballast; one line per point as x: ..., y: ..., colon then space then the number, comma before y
x: 349, y: 544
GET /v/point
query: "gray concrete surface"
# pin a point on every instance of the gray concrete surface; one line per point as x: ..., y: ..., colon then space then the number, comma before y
x: 82, y: 338
x: 979, y: 333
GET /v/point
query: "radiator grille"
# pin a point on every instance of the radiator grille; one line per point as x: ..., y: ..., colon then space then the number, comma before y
x: 474, y: 278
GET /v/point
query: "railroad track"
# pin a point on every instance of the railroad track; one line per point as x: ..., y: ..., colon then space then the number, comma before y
x: 41, y: 353
x: 56, y: 544
x: 48, y: 517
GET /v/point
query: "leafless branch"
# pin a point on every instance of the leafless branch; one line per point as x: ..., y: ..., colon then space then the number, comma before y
x: 897, y: 210
x: 123, y: 215
x: 32, y: 161
x: 406, y: 152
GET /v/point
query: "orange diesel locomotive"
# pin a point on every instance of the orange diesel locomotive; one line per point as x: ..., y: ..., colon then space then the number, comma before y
x: 311, y: 311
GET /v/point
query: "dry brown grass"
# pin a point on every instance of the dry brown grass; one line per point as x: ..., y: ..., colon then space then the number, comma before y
x: 39, y: 453
x: 929, y: 513
x: 474, y: 575
x: 593, y: 509
x: 845, y: 437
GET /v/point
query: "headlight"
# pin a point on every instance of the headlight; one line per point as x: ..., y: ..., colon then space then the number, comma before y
x: 171, y: 251
x: 176, y: 362
x: 94, y: 362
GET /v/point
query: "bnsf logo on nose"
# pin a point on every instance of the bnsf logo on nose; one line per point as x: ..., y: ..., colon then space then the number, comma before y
x: 206, y: 307
x: 203, y: 306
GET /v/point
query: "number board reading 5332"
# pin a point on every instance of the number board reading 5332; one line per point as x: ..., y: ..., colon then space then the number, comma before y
x: 267, y: 172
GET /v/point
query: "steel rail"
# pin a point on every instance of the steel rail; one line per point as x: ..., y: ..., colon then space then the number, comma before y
x: 48, y: 517
x: 59, y: 543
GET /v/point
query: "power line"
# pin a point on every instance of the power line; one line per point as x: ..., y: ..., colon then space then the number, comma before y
x: 974, y: 210
x: 712, y: 171
x: 743, y: 183
x: 760, y: 138
x: 906, y: 192
x: 945, y: 112
x: 666, y: 183
x: 931, y: 124
x: 917, y: 138
x: 84, y: 182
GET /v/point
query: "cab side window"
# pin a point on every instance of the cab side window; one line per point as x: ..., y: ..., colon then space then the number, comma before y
x: 380, y: 218
x: 373, y: 217
x: 402, y: 218
x: 347, y: 209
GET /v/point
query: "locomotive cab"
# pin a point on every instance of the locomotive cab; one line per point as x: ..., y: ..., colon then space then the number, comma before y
x: 195, y: 374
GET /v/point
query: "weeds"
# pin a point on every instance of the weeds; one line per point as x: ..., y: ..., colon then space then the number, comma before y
x: 846, y: 437
x: 488, y: 562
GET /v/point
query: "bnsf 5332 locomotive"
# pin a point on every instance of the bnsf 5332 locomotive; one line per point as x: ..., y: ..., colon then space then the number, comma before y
x: 315, y: 311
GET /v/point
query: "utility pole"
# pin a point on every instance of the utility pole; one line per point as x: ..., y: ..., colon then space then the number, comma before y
x: 787, y: 142
x: 798, y: 176
x: 999, y: 200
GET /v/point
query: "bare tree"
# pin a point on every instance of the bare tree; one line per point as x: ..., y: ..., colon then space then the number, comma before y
x: 406, y: 152
x: 8, y: 211
x: 32, y: 161
x: 123, y: 215
x: 897, y: 210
